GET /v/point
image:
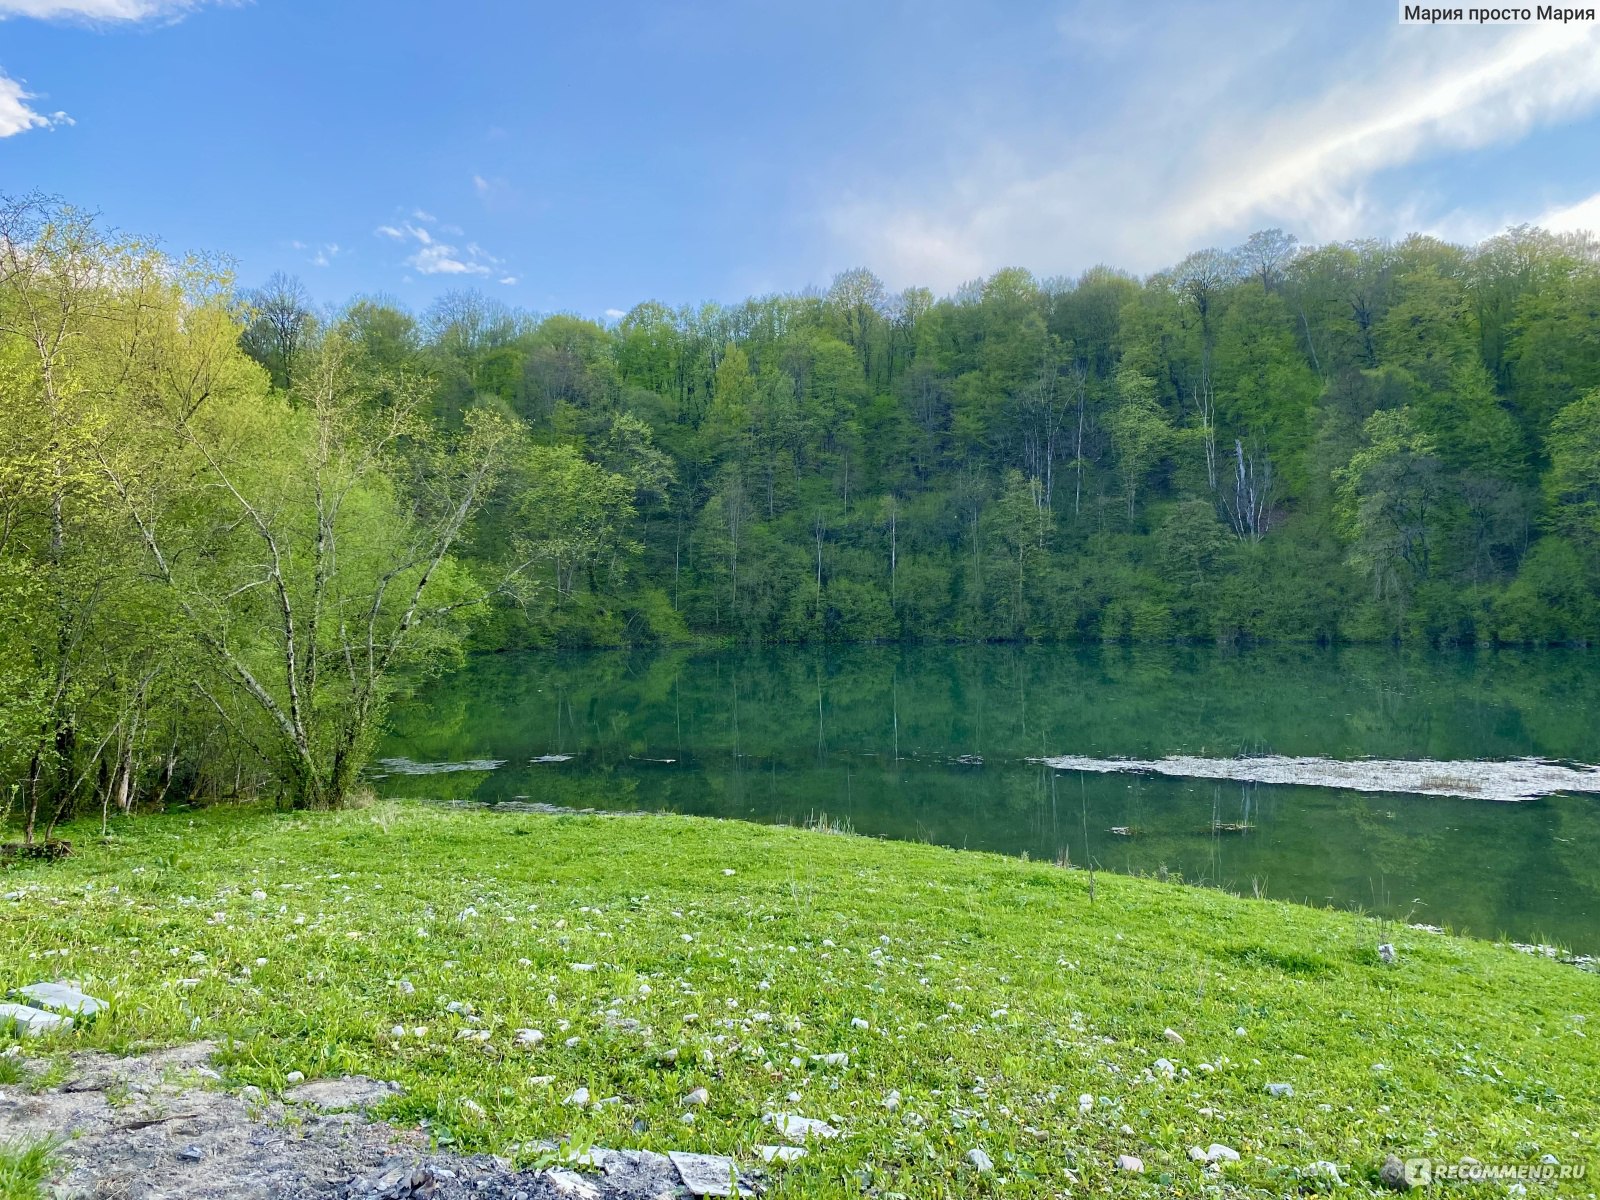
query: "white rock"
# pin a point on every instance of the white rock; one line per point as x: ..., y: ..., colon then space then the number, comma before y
x: 529, y: 1037
x: 698, y: 1098
x: 1326, y: 1170
x: 31, y: 1021
x: 858, y: 1023
x: 1173, y: 1036
x: 1217, y: 1152
x: 62, y: 996
x: 570, y: 1183
x: 1280, y: 1089
x: 832, y: 1060
x: 797, y: 1128
x: 579, y: 1098
x: 295, y: 1077
x: 708, y: 1174
x: 1126, y: 1130
x: 582, y: 966
x: 1197, y: 1154
x: 980, y: 1160
x: 786, y: 1154
x: 1085, y: 1102
x: 1130, y: 1162
x: 1165, y: 1066
x: 892, y: 1101
x: 1387, y: 953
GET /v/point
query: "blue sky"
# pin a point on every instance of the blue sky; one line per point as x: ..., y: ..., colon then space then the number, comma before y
x: 586, y: 158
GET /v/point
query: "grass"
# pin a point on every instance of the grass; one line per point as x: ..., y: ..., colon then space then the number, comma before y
x: 994, y: 993
x: 24, y: 1168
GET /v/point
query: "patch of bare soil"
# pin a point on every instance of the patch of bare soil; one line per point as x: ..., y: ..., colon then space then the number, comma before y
x: 159, y: 1127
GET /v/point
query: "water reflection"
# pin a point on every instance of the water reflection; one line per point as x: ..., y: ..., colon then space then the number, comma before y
x: 932, y: 744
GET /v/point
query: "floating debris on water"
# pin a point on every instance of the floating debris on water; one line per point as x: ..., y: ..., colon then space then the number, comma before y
x: 405, y: 766
x: 549, y: 758
x: 1509, y: 780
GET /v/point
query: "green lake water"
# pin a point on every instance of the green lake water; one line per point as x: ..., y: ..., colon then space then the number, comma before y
x: 932, y: 744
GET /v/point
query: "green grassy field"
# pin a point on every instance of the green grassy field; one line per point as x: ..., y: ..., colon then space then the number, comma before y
x: 988, y: 994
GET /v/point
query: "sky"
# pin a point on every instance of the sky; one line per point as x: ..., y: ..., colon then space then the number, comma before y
x: 586, y: 158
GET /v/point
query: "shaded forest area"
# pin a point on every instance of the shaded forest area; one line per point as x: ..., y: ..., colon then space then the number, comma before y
x: 1364, y: 441
x: 232, y: 526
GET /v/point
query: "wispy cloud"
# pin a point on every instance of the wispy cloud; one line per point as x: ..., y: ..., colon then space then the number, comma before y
x: 100, y: 11
x: 1190, y: 158
x: 434, y: 257
x: 1572, y: 218
x: 17, y: 116
x: 494, y: 192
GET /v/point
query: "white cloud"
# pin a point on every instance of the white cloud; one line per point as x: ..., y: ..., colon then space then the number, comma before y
x: 404, y: 231
x: 615, y: 314
x: 1584, y: 216
x: 17, y: 116
x: 97, y: 10
x: 1207, y: 147
x: 509, y: 280
x: 433, y: 257
x: 325, y: 255
x: 443, y: 260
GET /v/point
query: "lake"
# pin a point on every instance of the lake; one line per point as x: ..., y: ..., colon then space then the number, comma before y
x: 934, y: 744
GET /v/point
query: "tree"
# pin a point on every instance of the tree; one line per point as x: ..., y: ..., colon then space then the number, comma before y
x: 1389, y: 496
x: 325, y: 564
x: 1022, y: 523
x: 1572, y: 485
x: 573, y: 515
x: 281, y: 328
x: 1140, y: 433
x: 78, y: 311
x: 1266, y: 255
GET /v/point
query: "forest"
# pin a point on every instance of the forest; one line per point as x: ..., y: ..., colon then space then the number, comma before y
x: 233, y: 522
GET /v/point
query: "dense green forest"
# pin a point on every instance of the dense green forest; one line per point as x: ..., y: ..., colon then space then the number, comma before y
x: 230, y: 521
x: 1363, y: 442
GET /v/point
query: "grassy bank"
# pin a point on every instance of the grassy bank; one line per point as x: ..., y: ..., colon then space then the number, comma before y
x: 994, y: 994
